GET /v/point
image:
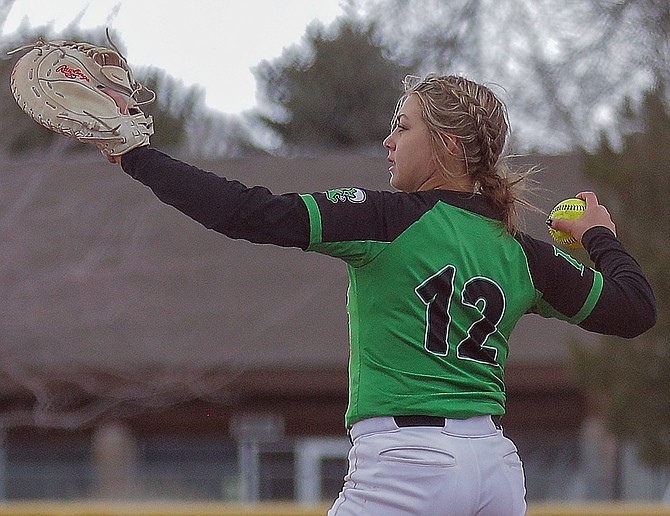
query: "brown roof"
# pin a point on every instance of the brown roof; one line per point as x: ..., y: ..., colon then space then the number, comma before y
x: 97, y: 275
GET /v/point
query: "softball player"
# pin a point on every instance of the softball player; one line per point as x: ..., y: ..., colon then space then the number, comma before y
x: 439, y: 276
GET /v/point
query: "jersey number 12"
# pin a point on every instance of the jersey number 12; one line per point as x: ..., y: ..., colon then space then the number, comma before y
x: 482, y: 294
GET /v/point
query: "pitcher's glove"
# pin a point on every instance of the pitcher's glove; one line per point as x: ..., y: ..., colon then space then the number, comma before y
x: 62, y: 85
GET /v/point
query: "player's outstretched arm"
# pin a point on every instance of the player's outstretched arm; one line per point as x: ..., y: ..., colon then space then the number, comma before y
x: 217, y: 203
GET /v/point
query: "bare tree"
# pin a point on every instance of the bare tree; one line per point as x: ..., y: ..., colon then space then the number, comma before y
x: 564, y: 65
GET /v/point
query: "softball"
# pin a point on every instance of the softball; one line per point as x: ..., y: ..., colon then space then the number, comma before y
x: 569, y: 209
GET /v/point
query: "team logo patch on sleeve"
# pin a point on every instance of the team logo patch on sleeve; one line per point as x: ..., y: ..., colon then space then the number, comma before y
x: 345, y: 194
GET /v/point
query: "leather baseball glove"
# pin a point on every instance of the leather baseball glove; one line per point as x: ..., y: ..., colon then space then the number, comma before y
x: 83, y: 91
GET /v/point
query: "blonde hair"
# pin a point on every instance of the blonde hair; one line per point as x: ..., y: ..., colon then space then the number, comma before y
x: 457, y: 107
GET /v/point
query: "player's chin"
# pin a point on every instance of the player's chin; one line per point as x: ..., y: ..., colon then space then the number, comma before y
x: 396, y: 181
x: 402, y: 186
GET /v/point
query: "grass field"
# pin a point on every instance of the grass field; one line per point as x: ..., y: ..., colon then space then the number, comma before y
x: 161, y: 508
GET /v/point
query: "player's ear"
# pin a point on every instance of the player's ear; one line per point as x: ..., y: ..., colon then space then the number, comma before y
x: 452, y: 145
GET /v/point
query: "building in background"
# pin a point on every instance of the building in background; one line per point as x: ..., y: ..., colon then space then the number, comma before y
x: 144, y: 356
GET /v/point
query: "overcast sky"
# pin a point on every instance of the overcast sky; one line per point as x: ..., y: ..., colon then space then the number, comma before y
x: 211, y: 43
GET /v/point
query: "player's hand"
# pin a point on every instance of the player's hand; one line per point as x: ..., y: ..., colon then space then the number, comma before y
x: 117, y: 98
x: 594, y: 215
x: 123, y: 107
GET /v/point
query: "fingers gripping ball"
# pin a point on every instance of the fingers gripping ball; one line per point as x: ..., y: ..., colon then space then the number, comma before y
x: 569, y: 209
x: 62, y: 85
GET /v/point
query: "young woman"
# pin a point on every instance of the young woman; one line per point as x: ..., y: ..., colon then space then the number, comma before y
x: 439, y: 276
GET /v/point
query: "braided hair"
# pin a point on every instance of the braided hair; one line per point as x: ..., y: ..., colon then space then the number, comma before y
x: 457, y: 107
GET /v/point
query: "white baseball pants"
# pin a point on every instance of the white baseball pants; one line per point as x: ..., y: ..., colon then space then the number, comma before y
x: 465, y: 468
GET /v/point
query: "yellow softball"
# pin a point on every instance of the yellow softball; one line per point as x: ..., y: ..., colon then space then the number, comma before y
x: 569, y: 209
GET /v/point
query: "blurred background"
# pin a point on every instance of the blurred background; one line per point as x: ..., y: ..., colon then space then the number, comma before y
x: 143, y: 357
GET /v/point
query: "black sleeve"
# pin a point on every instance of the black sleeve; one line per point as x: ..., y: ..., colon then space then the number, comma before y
x: 229, y: 207
x: 626, y: 306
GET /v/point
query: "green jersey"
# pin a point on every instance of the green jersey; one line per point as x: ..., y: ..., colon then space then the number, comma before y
x: 436, y: 288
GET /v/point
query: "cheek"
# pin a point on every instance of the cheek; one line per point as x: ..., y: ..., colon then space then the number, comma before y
x: 415, y: 163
